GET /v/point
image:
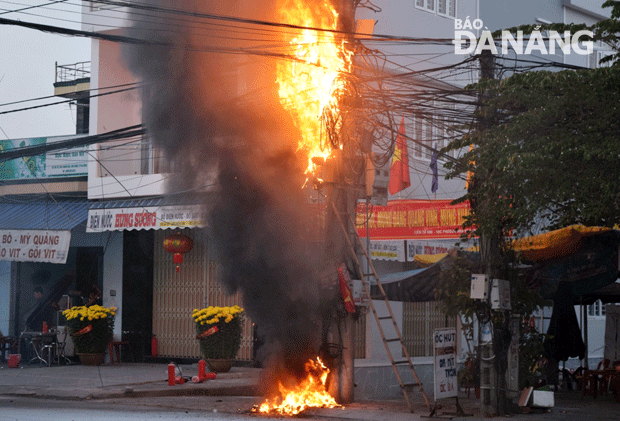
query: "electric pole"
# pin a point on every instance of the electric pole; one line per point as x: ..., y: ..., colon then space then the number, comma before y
x: 344, y: 199
x: 492, y: 353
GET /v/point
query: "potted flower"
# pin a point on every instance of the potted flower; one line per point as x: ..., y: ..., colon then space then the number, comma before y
x: 218, y: 330
x: 91, y: 328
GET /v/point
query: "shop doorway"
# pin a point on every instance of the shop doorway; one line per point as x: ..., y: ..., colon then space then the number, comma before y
x: 137, y: 293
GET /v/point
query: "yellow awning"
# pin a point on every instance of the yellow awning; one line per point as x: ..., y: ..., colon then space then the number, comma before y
x: 428, y: 259
x: 554, y: 244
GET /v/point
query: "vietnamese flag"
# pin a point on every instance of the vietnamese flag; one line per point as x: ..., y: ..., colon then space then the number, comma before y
x: 399, y: 170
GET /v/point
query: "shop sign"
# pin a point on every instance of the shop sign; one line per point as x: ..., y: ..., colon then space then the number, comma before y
x: 70, y: 162
x: 412, y: 219
x: 388, y: 250
x: 415, y: 247
x: 149, y: 217
x: 34, y: 245
x: 445, y: 363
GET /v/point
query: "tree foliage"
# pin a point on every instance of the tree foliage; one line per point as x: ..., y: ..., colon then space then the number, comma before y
x: 552, y: 150
x: 544, y: 149
x: 547, y: 146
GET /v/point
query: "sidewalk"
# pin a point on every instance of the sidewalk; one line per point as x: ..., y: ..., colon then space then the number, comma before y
x: 143, y: 380
x: 119, y: 380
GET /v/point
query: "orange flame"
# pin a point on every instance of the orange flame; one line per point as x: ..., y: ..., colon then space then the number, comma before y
x: 309, y: 85
x: 309, y: 393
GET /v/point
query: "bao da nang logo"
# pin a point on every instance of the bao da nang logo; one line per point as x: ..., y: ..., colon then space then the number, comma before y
x: 466, y: 41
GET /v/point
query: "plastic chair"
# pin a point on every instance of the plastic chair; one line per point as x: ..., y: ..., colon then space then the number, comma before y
x: 115, y: 350
x: 595, y: 382
x: 606, y: 375
x: 8, y: 346
x: 589, y: 383
x: 603, y: 365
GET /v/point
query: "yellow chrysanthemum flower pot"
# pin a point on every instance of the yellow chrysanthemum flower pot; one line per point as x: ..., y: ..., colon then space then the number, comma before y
x: 218, y: 331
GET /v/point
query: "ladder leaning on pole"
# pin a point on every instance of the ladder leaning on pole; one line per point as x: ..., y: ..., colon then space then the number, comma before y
x: 406, y: 388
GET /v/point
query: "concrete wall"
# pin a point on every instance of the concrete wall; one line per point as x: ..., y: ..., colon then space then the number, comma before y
x: 402, y: 18
x: 110, y: 113
x: 398, y: 18
x: 98, y: 17
x: 592, y: 7
x: 504, y: 14
x: 380, y: 382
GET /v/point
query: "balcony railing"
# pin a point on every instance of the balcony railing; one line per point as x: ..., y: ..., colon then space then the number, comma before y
x: 72, y: 72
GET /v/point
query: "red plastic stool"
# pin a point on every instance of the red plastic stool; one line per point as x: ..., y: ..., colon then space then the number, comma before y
x: 115, y: 349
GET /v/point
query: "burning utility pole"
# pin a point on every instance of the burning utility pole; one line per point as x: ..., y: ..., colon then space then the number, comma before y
x: 262, y: 113
x: 344, y: 197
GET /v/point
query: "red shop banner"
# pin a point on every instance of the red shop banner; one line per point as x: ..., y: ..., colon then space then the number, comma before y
x: 412, y: 219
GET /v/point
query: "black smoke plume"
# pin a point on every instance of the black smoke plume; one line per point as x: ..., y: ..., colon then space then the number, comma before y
x: 211, y: 106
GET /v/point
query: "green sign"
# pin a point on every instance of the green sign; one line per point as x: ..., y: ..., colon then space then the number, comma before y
x: 61, y: 163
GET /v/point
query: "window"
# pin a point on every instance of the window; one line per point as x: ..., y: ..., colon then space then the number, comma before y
x: 426, y: 5
x: 598, y: 55
x: 597, y: 309
x: 445, y: 8
x: 452, y: 8
x: 359, y: 338
x: 441, y: 7
x: 97, y: 5
x: 419, y: 323
x: 441, y: 132
x: 419, y: 127
x: 428, y: 136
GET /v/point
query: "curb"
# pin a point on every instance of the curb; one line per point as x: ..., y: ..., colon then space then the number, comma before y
x: 180, y: 391
x: 129, y: 391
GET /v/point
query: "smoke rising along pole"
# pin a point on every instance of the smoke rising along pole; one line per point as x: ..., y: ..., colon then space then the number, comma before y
x: 217, y: 112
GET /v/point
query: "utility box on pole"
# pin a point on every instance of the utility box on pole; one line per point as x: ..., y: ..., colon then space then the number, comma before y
x: 479, y: 287
x: 500, y: 295
x: 377, y: 181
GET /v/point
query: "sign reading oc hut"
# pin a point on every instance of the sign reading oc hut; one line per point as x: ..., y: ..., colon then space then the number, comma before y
x: 445, y: 363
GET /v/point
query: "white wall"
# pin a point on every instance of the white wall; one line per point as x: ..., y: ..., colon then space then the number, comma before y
x: 114, y: 112
x: 113, y: 279
x: 98, y: 18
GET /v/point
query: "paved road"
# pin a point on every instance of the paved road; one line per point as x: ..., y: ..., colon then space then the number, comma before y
x: 34, y: 409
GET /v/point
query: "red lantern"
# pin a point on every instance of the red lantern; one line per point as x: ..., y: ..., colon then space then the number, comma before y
x: 178, y: 244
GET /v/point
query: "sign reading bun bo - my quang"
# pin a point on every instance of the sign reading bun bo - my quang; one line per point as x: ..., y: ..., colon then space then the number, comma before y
x: 412, y: 219
x: 34, y: 245
x: 149, y: 217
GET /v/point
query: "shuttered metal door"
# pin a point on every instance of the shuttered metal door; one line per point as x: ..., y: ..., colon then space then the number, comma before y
x: 176, y: 295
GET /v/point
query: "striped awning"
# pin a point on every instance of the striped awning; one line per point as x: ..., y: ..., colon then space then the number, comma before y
x: 38, y: 215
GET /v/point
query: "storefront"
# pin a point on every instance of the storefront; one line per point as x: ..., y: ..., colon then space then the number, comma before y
x: 155, y: 298
x: 44, y: 250
x: 401, y: 232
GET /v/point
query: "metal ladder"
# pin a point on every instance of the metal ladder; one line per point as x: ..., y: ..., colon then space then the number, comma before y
x: 406, y: 388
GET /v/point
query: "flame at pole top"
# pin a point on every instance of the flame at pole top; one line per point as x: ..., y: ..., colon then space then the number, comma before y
x: 309, y: 85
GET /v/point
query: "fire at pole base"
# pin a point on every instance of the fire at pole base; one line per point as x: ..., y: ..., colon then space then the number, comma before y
x: 309, y: 393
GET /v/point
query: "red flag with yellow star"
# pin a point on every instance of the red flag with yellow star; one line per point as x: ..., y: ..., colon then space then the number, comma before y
x: 399, y: 169
x: 345, y: 291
